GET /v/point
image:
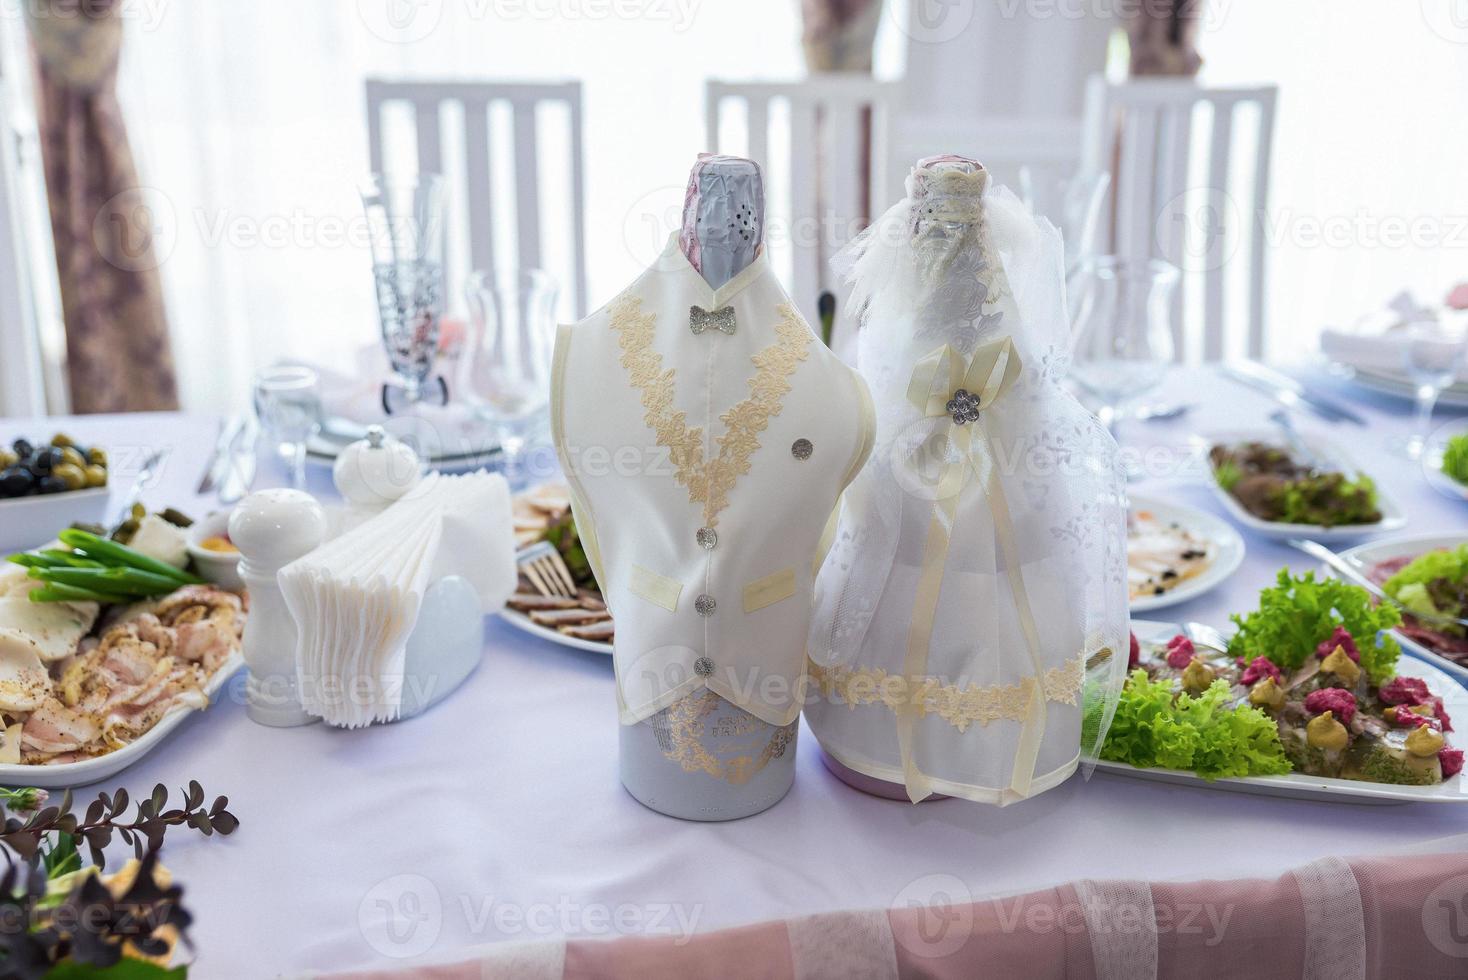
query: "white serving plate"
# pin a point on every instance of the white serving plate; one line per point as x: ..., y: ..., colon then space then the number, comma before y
x: 1226, y: 544
x: 87, y: 771
x: 29, y: 522
x: 1367, y: 555
x: 1300, y: 787
x: 1392, y: 517
x: 523, y: 622
x: 1400, y: 386
x: 1432, y: 462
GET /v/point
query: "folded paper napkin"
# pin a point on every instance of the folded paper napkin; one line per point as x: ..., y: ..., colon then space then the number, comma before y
x: 356, y: 598
x: 355, y: 394
x: 1377, y: 342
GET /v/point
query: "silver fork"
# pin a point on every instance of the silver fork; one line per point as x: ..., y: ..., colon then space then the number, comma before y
x: 543, y: 565
x: 1203, y: 635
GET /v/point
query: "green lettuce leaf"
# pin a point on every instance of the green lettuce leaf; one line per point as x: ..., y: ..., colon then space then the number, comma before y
x: 1298, y: 614
x: 1448, y: 563
x: 1201, y: 734
x: 1455, y: 458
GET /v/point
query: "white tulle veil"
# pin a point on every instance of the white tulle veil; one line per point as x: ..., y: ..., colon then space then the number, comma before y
x: 962, y: 264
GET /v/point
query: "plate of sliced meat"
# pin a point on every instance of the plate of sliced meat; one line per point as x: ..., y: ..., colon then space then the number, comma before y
x: 581, y: 621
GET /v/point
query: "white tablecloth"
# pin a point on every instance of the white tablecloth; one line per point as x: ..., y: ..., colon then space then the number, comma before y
x: 498, y: 815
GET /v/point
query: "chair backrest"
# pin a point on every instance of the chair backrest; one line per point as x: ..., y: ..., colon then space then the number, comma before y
x: 1002, y: 144
x: 1190, y: 184
x: 822, y: 144
x: 22, y: 390
x: 475, y: 132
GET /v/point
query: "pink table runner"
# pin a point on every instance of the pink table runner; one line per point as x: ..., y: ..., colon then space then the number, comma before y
x: 1334, y: 919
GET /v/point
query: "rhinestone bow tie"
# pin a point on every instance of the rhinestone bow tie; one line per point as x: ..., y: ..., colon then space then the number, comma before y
x: 700, y: 319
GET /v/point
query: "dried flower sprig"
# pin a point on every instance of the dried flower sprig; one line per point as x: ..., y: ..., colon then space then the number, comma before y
x: 104, y: 818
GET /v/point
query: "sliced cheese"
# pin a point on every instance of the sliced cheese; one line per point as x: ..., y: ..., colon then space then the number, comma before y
x: 51, y: 630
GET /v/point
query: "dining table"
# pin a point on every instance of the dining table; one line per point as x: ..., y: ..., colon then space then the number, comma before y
x: 497, y: 816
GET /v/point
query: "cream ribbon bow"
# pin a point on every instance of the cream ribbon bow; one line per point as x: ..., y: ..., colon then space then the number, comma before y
x: 953, y: 398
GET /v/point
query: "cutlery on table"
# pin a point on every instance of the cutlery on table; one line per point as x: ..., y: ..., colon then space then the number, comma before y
x: 1203, y: 635
x: 1287, y: 391
x: 239, y: 466
x: 229, y: 430
x: 1357, y: 576
x: 1298, y: 446
x: 1160, y: 413
x: 151, y: 465
x: 543, y: 565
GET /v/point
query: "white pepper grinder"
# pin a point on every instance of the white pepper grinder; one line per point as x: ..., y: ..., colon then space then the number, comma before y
x: 272, y: 528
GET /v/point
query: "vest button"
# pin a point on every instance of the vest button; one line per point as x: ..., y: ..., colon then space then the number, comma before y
x: 707, y: 537
x: 802, y: 449
x: 703, y: 666
x: 705, y: 605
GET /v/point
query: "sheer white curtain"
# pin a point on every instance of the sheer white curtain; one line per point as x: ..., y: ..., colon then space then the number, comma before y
x: 1369, y: 195
x: 248, y: 121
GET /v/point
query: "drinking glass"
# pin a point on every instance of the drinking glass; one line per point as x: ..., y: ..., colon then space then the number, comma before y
x: 289, y: 408
x: 405, y: 220
x: 1072, y: 203
x: 1433, y: 355
x: 1122, y: 343
x: 506, y: 373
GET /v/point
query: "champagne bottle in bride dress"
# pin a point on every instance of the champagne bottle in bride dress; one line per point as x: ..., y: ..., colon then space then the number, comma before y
x: 969, y: 633
x: 706, y: 434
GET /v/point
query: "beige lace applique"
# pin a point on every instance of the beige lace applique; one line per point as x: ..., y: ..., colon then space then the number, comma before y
x: 683, y: 729
x: 959, y: 706
x: 708, y: 482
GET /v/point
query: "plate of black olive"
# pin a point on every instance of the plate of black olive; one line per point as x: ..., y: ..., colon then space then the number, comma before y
x: 49, y: 485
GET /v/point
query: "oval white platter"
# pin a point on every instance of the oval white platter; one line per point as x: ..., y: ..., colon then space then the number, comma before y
x: 523, y: 622
x: 1392, y: 518
x: 1367, y: 555
x: 1226, y: 544
x: 1297, y: 786
x: 87, y: 771
x: 1401, y: 386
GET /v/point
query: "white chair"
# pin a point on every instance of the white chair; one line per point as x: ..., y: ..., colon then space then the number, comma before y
x: 1171, y: 146
x: 474, y: 133
x: 822, y: 145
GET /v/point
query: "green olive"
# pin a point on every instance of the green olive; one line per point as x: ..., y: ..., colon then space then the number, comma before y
x: 70, y: 474
x: 125, y: 531
x: 61, y: 440
x: 96, y: 476
x: 139, y: 512
x: 97, y: 456
x: 8, y: 459
x: 70, y: 454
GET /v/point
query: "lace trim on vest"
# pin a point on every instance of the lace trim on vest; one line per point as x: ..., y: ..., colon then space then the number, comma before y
x: 708, y: 482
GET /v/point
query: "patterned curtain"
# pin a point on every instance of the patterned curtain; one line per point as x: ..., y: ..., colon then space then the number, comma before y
x: 838, y: 34
x: 118, y: 356
x: 1164, y: 35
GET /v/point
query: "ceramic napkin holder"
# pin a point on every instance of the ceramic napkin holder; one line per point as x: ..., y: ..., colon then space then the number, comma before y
x: 274, y: 528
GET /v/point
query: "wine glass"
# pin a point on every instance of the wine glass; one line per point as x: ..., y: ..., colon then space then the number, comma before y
x: 1072, y: 203
x: 1433, y: 355
x: 506, y: 375
x: 405, y: 221
x: 289, y: 408
x: 1122, y: 342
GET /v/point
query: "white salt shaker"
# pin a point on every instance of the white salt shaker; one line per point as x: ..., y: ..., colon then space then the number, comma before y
x: 272, y: 528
